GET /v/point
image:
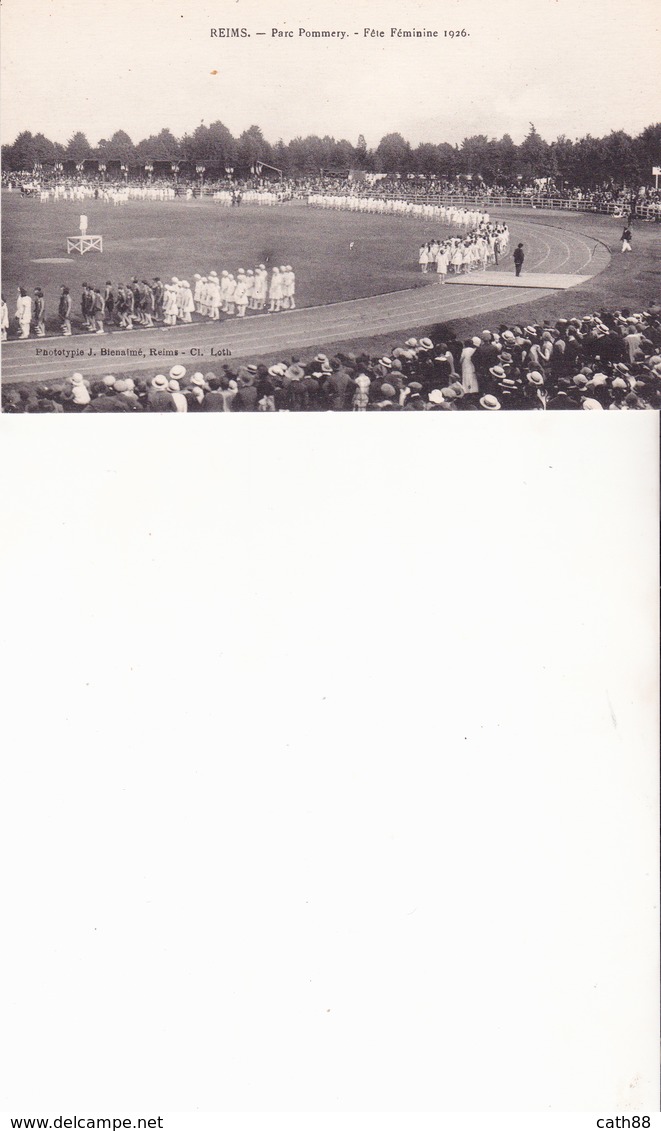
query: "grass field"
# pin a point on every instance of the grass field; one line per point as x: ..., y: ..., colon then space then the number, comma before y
x: 180, y: 238
x: 147, y: 238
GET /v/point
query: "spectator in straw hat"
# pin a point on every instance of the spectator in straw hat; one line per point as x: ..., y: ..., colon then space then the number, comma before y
x: 159, y: 397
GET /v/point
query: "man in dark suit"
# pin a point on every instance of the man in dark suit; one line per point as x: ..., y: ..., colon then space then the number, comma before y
x: 339, y: 388
x: 518, y: 258
x: 484, y: 358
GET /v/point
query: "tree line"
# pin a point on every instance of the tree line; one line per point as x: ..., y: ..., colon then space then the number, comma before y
x: 616, y: 158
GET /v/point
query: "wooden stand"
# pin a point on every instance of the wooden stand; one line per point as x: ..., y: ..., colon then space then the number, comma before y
x: 84, y: 243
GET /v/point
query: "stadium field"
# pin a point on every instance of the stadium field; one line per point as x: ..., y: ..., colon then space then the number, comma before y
x: 368, y: 298
x: 147, y: 238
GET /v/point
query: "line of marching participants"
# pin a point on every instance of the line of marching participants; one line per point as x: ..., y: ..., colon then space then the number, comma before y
x: 213, y: 294
x: 460, y: 254
x: 141, y: 303
x: 230, y: 294
x: 468, y: 218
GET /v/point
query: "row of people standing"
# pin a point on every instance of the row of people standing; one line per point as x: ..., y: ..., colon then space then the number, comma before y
x: 457, y: 255
x: 143, y: 302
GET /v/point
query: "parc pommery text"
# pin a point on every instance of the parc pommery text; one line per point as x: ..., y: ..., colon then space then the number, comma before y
x: 365, y: 33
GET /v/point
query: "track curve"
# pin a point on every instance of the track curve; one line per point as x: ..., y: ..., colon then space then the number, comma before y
x: 549, y: 249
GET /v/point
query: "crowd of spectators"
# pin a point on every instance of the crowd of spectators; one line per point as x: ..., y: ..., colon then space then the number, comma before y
x: 608, y: 360
x: 541, y: 191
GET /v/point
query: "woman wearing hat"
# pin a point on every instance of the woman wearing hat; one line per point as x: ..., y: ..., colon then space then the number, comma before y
x: 361, y: 395
x: 241, y: 296
x: 260, y: 287
x: 468, y: 375
x: 230, y: 290
x: 442, y: 262
x: 275, y: 292
x: 169, y: 305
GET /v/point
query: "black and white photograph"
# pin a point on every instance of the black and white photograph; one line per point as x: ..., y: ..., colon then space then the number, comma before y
x: 329, y: 794
x: 457, y: 213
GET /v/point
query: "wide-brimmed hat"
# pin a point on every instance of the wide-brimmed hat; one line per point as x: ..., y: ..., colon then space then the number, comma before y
x: 490, y: 402
x: 160, y: 381
x: 591, y: 403
x: 426, y: 344
x: 497, y: 371
x: 177, y: 372
x: 435, y: 397
x: 294, y: 372
x: 535, y: 378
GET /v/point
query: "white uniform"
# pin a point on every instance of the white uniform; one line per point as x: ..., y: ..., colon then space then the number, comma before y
x: 275, y: 292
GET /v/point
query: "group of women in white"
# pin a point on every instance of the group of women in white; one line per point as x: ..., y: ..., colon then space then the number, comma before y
x: 229, y: 294
x: 468, y: 218
x: 119, y: 193
x: 108, y: 193
x: 458, y: 255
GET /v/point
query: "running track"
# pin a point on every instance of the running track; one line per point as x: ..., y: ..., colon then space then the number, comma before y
x: 549, y: 249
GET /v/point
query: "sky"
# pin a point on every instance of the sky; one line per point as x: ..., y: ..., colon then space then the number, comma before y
x: 568, y: 66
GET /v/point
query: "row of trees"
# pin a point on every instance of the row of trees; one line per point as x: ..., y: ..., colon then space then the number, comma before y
x: 587, y: 161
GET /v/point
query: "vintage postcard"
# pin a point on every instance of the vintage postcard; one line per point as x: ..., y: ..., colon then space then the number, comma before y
x: 372, y: 208
x: 330, y: 747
